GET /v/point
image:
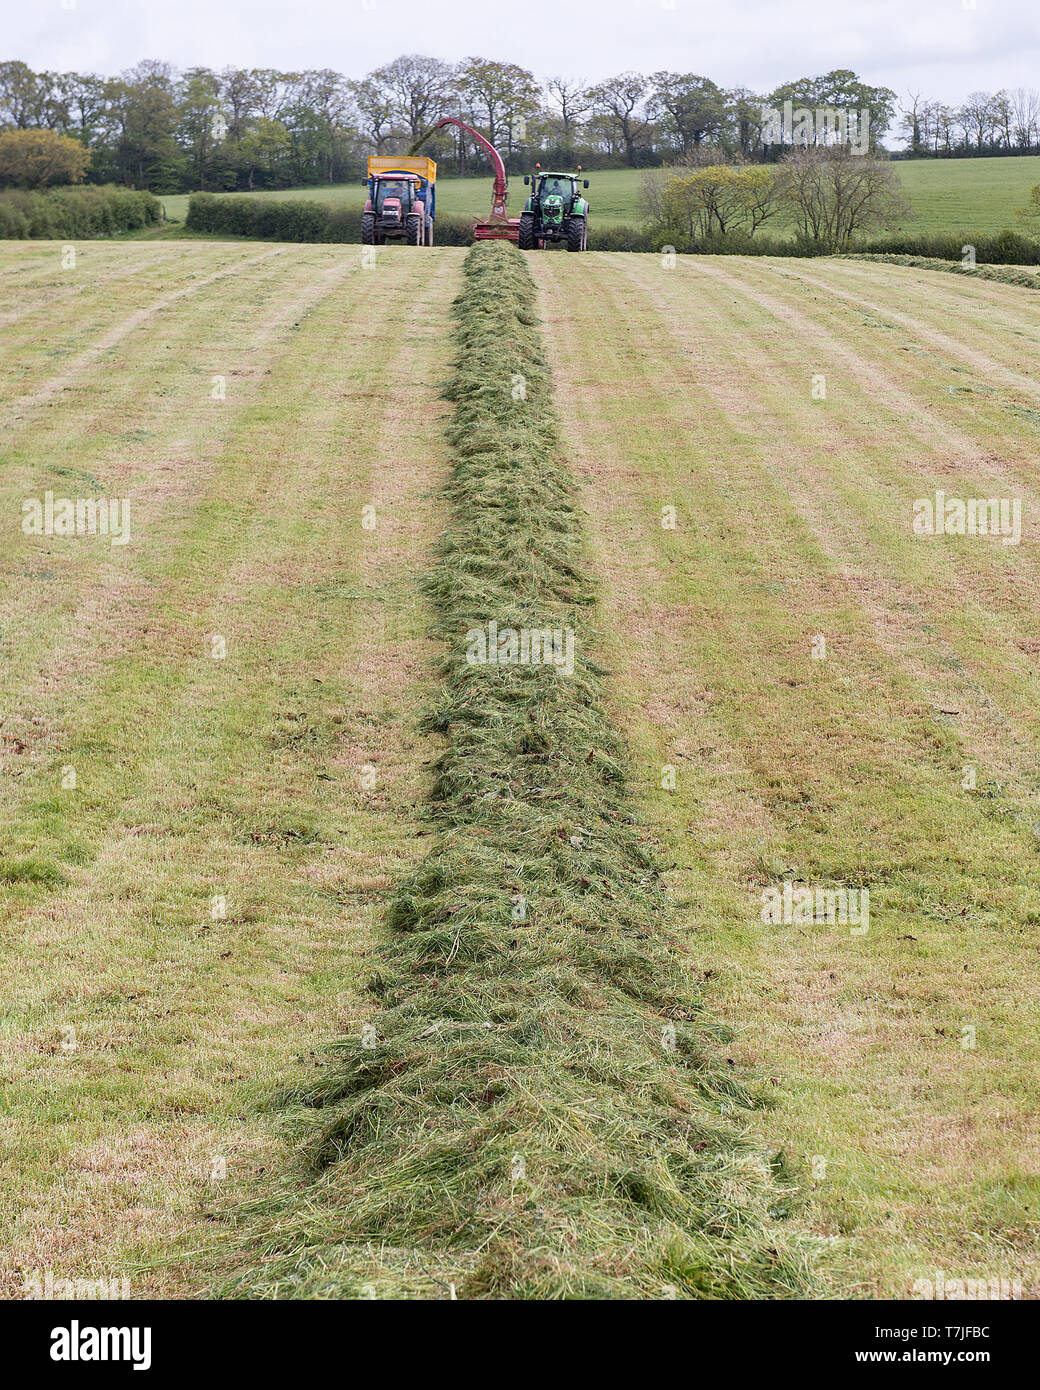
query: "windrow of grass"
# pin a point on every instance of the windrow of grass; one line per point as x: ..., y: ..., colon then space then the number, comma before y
x: 538, y: 1107
x: 1004, y: 274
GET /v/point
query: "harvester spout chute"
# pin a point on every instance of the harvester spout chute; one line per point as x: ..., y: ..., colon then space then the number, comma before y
x: 498, y: 226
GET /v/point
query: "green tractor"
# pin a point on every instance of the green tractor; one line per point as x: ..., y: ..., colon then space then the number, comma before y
x: 555, y: 211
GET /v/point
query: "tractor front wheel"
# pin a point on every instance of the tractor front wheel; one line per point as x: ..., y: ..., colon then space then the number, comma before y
x: 368, y: 229
x: 413, y: 231
x: 577, y: 234
x: 526, y: 238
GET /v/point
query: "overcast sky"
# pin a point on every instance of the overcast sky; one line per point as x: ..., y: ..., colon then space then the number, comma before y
x: 937, y: 46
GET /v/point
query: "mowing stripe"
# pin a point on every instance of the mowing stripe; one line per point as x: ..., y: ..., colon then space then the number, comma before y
x: 197, y: 777
x: 540, y: 1109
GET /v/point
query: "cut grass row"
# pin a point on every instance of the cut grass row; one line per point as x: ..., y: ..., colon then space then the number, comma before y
x: 1025, y: 276
x: 689, y: 387
x: 540, y: 1109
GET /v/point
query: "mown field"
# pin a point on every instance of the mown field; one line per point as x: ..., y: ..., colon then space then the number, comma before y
x: 692, y: 388
x: 198, y: 778
x: 238, y: 691
x: 946, y: 195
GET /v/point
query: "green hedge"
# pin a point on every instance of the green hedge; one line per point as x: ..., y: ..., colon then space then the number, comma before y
x: 299, y: 220
x: 83, y: 212
x: 1003, y: 248
x: 732, y: 244
x: 295, y: 219
x: 619, y: 238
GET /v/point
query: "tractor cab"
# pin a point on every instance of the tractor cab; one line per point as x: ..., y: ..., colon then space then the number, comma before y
x: 394, y: 198
x: 562, y: 189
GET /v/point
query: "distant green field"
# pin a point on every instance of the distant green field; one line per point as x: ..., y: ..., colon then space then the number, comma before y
x: 978, y: 195
x: 971, y: 195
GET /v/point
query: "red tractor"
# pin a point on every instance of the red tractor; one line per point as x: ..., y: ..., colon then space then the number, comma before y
x: 400, y: 206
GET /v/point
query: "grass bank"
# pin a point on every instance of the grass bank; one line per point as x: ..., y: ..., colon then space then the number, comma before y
x: 539, y: 1107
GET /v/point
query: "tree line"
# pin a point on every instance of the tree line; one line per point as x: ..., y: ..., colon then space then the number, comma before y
x: 158, y: 128
x: 988, y: 123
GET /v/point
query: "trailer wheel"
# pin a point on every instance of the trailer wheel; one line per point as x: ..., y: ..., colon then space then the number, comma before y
x: 526, y: 237
x: 576, y: 233
x: 429, y: 231
x: 368, y: 229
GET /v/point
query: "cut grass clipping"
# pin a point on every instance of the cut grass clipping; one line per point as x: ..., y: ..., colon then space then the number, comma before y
x: 1004, y: 274
x: 541, y: 1111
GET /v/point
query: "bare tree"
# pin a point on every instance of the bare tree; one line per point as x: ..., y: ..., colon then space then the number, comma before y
x: 621, y: 101
x: 833, y: 194
x: 378, y: 112
x: 572, y: 101
x: 419, y: 87
x: 944, y: 119
x: 977, y: 117
x: 912, y: 121
x: 1003, y: 118
x: 1025, y: 104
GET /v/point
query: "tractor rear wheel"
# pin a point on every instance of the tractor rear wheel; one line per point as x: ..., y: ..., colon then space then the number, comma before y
x: 576, y: 233
x: 413, y: 231
x: 368, y: 229
x: 526, y: 238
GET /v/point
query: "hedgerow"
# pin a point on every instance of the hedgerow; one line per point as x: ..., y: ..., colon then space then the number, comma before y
x: 82, y: 212
x: 542, y: 1110
x: 302, y: 220
x: 1002, y: 248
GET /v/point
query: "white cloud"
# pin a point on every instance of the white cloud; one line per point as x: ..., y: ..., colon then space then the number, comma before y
x: 937, y: 46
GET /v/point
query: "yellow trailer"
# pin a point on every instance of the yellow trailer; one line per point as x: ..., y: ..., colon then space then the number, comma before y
x: 379, y: 164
